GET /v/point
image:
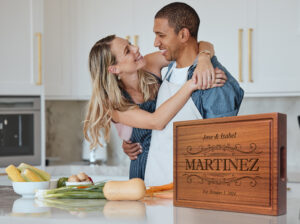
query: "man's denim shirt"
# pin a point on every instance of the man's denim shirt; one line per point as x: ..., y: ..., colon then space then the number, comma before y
x: 222, y: 101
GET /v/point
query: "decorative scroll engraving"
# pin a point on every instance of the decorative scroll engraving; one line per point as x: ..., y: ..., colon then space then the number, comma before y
x: 220, y: 174
x: 219, y: 181
x: 213, y: 148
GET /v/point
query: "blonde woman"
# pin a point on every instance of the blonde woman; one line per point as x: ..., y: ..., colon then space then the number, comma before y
x: 125, y: 86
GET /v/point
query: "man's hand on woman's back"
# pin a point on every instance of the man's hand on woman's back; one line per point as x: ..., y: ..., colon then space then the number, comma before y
x: 221, y: 78
x: 131, y: 149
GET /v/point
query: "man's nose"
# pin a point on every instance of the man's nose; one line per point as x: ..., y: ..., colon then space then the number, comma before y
x: 156, y: 42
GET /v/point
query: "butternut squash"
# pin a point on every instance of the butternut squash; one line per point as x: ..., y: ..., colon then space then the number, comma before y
x: 132, y: 190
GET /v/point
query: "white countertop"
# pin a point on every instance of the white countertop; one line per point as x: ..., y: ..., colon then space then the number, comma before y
x: 14, y: 209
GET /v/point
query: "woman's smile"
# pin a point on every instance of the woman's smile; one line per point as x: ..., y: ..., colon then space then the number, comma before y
x: 139, y: 57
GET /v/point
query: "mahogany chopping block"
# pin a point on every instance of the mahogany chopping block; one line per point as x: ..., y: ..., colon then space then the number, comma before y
x: 231, y: 164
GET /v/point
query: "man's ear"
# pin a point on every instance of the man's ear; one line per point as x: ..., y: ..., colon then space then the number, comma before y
x: 113, y: 69
x: 184, y: 34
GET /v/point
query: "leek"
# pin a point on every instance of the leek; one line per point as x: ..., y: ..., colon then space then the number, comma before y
x: 89, y: 191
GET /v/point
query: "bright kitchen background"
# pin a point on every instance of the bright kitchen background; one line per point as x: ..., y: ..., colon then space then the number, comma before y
x: 69, y: 28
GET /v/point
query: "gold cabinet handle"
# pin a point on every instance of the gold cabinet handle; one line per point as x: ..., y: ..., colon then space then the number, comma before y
x: 39, y: 81
x: 135, y: 38
x: 250, y: 55
x: 240, y: 55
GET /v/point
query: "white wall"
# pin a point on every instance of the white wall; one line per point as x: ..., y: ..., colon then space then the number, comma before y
x: 286, y: 105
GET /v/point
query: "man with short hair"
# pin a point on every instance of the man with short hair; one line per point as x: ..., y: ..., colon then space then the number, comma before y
x: 176, y: 28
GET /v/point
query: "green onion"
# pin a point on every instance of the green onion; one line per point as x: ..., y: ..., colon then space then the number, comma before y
x: 73, y: 192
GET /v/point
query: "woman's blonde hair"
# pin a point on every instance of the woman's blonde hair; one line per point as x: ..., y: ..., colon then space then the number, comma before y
x: 107, y: 91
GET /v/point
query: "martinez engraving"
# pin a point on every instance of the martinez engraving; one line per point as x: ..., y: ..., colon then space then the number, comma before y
x: 226, y: 147
x: 248, y: 164
x: 215, y: 158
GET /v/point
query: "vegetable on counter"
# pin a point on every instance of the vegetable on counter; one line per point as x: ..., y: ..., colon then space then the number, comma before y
x: 81, y: 177
x: 26, y: 173
x: 162, y: 191
x: 81, y: 191
x: 133, y: 189
x: 43, y: 174
x: 14, y: 174
x: 30, y: 176
x: 62, y: 182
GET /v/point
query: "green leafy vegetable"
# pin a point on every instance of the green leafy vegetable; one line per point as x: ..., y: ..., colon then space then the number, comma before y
x: 62, y: 182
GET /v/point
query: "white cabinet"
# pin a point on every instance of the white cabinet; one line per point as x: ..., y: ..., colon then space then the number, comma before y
x: 220, y: 22
x: 95, y: 19
x: 58, y: 48
x: 144, y: 12
x: 21, y: 49
x: 77, y: 24
x: 273, y: 46
x: 72, y: 27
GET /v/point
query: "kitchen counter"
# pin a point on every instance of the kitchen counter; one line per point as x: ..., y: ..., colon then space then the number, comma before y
x: 14, y: 209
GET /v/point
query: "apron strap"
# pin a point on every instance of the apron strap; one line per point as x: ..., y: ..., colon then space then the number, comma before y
x: 170, y: 70
x: 172, y: 65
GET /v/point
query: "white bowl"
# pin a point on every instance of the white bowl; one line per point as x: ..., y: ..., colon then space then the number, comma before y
x: 78, y: 183
x: 53, y: 183
x: 27, y: 189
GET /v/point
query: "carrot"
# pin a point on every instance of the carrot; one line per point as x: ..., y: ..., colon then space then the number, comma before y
x: 161, y: 187
x: 153, y: 189
x: 82, y: 187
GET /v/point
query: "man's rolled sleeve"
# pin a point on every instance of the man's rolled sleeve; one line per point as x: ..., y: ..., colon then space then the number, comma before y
x: 222, y: 101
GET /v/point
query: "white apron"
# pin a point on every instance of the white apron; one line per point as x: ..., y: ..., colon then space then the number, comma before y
x: 159, y: 167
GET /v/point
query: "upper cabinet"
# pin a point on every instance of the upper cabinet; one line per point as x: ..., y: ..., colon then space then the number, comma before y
x: 72, y: 27
x: 256, y: 40
x: 275, y: 47
x: 143, y: 21
x: 220, y: 22
x: 21, y: 24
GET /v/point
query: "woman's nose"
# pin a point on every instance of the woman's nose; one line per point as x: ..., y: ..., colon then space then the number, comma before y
x: 135, y: 48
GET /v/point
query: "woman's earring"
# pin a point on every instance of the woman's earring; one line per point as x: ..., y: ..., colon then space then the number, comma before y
x: 119, y: 78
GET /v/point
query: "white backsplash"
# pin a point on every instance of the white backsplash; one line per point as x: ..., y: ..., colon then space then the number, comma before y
x: 286, y: 105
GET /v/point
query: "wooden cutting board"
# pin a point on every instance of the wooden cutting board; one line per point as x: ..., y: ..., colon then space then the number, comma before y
x: 232, y: 164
